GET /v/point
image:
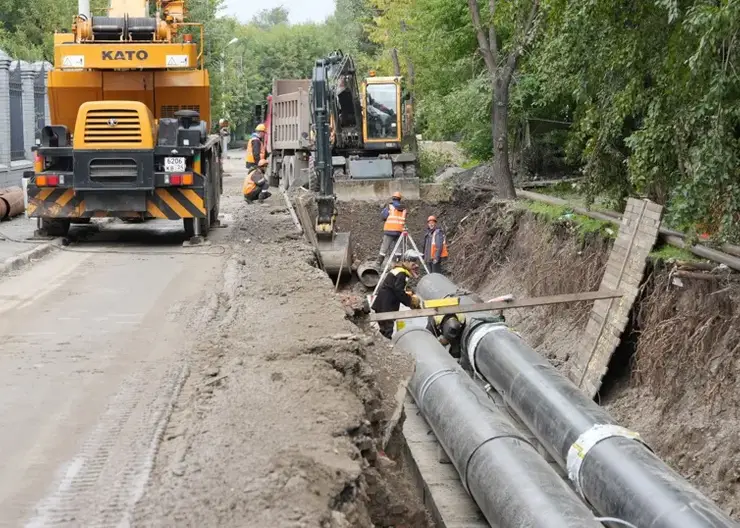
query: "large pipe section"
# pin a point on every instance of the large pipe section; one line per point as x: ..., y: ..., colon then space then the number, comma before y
x: 83, y: 7
x: 11, y: 202
x: 508, y: 479
x: 610, y: 466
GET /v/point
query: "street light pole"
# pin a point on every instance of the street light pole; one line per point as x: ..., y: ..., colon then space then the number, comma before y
x: 223, y: 72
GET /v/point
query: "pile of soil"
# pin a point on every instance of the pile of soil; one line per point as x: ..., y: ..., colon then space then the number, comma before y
x: 364, y: 221
x: 283, y: 417
x: 675, y: 377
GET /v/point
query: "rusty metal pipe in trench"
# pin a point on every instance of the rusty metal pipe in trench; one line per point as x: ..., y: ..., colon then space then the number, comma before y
x: 611, y: 467
x: 503, y: 472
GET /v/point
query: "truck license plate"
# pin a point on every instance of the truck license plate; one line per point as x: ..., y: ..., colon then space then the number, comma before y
x: 174, y: 164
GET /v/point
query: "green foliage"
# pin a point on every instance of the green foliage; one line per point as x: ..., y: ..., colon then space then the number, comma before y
x: 431, y: 162
x: 667, y: 253
x: 27, y: 28
x: 651, y: 89
x: 583, y: 226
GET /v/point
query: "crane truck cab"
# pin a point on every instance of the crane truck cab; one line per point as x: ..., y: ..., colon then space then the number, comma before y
x: 129, y: 99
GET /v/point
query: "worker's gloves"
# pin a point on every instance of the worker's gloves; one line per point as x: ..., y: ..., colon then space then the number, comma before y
x: 415, y: 302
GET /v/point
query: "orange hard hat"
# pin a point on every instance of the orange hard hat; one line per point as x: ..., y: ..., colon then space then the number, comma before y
x: 432, y: 219
x: 397, y: 195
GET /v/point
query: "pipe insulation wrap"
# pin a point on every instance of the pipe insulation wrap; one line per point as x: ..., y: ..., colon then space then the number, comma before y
x: 511, y: 483
x: 617, y: 474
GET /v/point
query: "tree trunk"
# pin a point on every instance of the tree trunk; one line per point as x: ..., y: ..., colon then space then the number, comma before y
x: 396, y: 64
x: 500, y: 125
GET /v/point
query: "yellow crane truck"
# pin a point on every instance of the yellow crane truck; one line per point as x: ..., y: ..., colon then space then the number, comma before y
x: 130, y: 109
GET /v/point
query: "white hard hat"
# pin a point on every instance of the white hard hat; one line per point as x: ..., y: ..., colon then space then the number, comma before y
x: 412, y: 255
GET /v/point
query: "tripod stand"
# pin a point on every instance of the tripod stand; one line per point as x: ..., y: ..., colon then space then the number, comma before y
x: 402, y: 244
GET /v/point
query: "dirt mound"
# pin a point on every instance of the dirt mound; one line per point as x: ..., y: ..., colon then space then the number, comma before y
x: 282, y: 419
x: 363, y: 219
x: 674, y: 379
x: 503, y: 248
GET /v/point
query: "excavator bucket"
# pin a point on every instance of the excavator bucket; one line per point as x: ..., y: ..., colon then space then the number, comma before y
x: 336, y: 255
x: 374, y: 190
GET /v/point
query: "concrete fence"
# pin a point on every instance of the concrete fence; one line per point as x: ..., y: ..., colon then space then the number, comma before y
x: 24, y: 111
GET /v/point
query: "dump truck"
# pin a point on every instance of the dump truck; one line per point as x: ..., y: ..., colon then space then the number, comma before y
x: 289, y: 125
x: 368, y: 123
x: 130, y: 110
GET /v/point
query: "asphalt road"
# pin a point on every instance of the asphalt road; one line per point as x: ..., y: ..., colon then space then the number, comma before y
x: 91, y: 359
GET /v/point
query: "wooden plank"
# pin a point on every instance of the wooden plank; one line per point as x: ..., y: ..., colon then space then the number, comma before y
x: 495, y: 306
x: 624, y: 271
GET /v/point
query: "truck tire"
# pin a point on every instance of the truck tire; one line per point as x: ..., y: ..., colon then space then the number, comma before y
x: 56, y: 227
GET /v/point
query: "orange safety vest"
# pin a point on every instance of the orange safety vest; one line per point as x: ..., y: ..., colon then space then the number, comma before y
x: 444, y: 254
x: 250, y: 151
x: 396, y: 220
x: 249, y: 184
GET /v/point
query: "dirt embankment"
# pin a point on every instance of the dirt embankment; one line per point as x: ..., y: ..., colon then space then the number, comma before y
x: 364, y: 221
x: 674, y: 379
x: 281, y: 420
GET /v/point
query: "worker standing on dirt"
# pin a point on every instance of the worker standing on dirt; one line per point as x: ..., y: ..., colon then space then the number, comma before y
x: 256, y: 185
x: 435, y: 246
x: 256, y: 147
x: 394, y: 292
x: 394, y: 215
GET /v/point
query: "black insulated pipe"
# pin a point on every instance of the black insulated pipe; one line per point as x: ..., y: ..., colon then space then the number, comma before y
x: 505, y: 475
x: 610, y: 466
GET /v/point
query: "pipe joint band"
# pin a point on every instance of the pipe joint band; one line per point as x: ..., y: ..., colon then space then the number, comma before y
x: 477, y: 336
x: 581, y: 447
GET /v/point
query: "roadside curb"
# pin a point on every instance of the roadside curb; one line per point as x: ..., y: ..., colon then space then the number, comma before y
x: 25, y: 258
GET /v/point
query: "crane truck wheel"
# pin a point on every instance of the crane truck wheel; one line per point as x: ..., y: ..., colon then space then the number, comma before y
x: 56, y: 227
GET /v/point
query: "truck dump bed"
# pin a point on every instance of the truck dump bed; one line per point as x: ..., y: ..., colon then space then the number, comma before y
x: 291, y: 115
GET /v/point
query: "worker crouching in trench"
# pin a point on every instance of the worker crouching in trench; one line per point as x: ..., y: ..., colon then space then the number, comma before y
x: 448, y: 329
x: 394, y: 291
x: 256, y: 185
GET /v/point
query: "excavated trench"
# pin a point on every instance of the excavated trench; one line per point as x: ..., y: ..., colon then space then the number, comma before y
x: 673, y: 379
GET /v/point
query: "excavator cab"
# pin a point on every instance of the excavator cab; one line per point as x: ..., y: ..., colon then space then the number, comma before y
x: 382, y: 119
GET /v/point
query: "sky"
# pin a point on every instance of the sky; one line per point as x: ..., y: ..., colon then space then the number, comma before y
x: 300, y: 10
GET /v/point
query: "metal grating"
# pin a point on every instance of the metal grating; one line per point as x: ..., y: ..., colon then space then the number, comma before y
x: 113, y: 126
x: 17, y: 145
x: 124, y: 170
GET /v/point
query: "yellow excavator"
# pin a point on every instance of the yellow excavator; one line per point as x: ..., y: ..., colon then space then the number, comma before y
x: 130, y: 109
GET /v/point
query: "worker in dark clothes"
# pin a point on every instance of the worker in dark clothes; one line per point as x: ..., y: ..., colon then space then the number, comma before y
x: 394, y: 292
x: 448, y: 329
x: 435, y: 246
x: 256, y: 185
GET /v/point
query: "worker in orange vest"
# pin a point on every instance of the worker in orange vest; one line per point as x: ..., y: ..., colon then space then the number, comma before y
x: 256, y: 147
x: 255, y: 185
x: 394, y: 215
x: 435, y: 246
